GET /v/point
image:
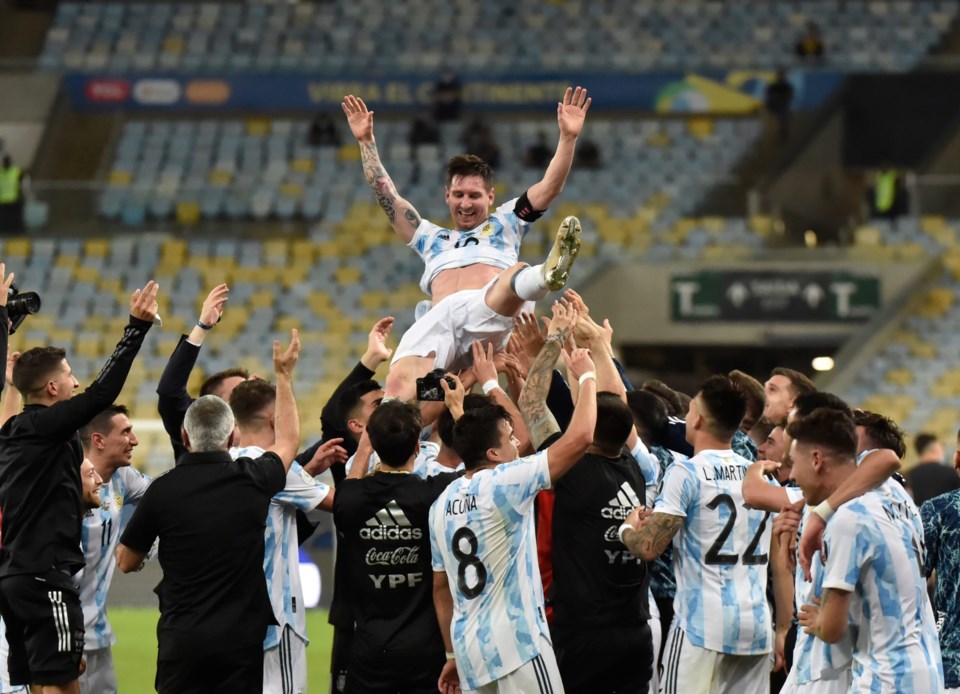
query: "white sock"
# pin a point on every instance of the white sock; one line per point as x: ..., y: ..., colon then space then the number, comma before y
x: 528, y: 283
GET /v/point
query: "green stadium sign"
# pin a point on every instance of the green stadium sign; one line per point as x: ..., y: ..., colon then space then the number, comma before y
x: 795, y: 297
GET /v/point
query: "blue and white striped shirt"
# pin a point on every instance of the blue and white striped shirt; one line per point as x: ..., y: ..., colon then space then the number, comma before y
x: 872, y: 549
x: 720, y: 555
x: 99, y: 537
x: 281, y: 561
x: 482, y: 535
x: 495, y: 242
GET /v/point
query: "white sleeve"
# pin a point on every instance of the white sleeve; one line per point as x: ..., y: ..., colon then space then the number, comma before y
x: 302, y: 490
x: 135, y: 483
x: 516, y: 484
x: 845, y: 549
x: 677, y: 493
x: 421, y: 237
x: 794, y: 494
x: 649, y: 465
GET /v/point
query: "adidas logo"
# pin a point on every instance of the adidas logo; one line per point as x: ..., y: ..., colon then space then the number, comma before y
x: 390, y: 523
x: 620, y: 506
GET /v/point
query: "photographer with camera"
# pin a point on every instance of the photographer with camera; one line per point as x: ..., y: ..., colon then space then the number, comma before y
x: 40, y: 493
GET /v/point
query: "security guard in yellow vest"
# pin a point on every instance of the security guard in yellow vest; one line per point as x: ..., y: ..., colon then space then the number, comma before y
x: 11, y: 197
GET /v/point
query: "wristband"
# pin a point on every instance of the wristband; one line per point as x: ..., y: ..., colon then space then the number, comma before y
x: 492, y: 384
x: 587, y: 376
x: 623, y: 528
x: 451, y: 655
x: 203, y: 326
x: 824, y: 510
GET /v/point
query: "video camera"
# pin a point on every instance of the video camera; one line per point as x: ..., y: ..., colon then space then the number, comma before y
x: 19, y: 306
x: 428, y: 387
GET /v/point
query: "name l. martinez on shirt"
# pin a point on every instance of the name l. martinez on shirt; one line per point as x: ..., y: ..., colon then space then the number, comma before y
x: 724, y: 473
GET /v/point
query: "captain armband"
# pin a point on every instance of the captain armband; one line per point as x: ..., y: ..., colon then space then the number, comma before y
x: 524, y: 210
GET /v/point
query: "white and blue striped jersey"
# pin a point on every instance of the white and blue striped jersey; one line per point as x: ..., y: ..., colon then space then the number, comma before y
x: 495, y: 242
x: 648, y: 464
x: 99, y: 537
x: 482, y: 535
x: 872, y: 550
x: 720, y: 555
x: 424, y: 465
x: 281, y: 561
x: 814, y: 659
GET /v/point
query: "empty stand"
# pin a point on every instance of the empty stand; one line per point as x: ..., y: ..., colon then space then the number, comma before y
x: 368, y: 35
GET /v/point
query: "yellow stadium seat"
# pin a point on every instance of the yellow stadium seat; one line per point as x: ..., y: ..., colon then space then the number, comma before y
x: 349, y: 153
x: 120, y: 178
x: 96, y: 248
x: 303, y: 165
x: 19, y: 248
x: 220, y: 178
x: 173, y: 44
x: 347, y: 274
x: 258, y: 127
x: 188, y: 213
x: 291, y: 190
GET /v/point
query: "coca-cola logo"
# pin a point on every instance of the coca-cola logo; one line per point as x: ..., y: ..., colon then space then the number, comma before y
x: 403, y: 556
x: 102, y: 90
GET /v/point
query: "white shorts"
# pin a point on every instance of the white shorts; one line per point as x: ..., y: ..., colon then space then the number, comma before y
x: 655, y: 636
x: 841, y: 685
x: 537, y: 676
x: 100, y: 676
x: 285, y: 665
x: 689, y: 669
x: 449, y: 328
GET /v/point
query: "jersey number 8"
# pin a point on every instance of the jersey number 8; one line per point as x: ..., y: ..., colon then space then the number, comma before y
x: 466, y: 559
x: 750, y: 558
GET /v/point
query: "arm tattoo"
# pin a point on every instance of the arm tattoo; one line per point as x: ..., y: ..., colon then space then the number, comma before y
x: 650, y: 542
x: 533, y: 398
x: 379, y: 180
x: 412, y: 217
x: 386, y: 203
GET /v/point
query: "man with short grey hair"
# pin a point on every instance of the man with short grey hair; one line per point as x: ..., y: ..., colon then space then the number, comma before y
x: 209, y: 514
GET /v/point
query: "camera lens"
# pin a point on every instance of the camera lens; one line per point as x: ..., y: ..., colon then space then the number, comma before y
x: 25, y: 303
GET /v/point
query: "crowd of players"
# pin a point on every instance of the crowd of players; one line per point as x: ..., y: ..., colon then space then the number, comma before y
x: 558, y: 530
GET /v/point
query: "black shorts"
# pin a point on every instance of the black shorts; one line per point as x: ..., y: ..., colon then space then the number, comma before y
x: 44, y: 623
x: 600, y: 661
x: 230, y: 672
x: 382, y: 672
x: 340, y: 658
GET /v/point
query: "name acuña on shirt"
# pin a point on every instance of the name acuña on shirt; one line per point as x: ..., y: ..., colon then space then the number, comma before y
x: 457, y: 507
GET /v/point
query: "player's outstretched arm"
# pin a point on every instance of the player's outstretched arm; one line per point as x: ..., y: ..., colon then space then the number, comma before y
x: 571, y: 113
x: 402, y: 215
x: 286, y: 417
x: 533, y: 398
x: 759, y: 494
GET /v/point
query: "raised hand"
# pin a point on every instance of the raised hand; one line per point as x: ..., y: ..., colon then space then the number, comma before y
x: 5, y: 282
x: 359, y: 118
x: 377, y: 350
x: 283, y: 362
x: 563, y: 321
x: 212, y: 308
x: 327, y: 454
x: 572, y: 111
x: 529, y: 334
x: 578, y: 362
x: 143, y: 303
x: 483, y: 362
x: 453, y: 396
